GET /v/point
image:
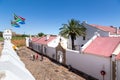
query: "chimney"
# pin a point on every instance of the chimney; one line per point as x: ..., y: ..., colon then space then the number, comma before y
x: 47, y: 37
x: 117, y: 30
x: 112, y: 26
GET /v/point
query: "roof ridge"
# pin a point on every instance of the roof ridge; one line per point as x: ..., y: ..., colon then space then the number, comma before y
x: 94, y: 26
x: 110, y: 29
x: 37, y: 39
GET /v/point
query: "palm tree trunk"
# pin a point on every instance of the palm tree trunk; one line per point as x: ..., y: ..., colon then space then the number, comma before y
x: 72, y: 39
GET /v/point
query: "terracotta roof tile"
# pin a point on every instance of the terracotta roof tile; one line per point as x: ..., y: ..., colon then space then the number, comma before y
x: 112, y: 30
x: 103, y: 46
x: 34, y: 39
x: 43, y: 40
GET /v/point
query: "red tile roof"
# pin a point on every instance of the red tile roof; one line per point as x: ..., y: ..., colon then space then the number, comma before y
x: 43, y: 40
x: 112, y: 30
x: 34, y: 39
x: 103, y: 46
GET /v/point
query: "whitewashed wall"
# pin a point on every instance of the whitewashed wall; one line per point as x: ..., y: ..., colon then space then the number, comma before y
x: 10, y: 64
x: 114, y: 35
x: 90, y: 64
x: 51, y: 52
x: 89, y: 34
x: 55, y: 42
x: 27, y: 41
x: 35, y: 46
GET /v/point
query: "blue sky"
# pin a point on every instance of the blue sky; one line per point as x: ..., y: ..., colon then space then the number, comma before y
x: 47, y: 16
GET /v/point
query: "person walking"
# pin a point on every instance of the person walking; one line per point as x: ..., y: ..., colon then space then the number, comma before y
x: 33, y: 57
x: 41, y: 57
x: 37, y: 56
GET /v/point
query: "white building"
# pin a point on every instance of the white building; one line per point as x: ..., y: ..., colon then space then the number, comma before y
x: 97, y: 55
x: 41, y: 44
x: 92, y: 29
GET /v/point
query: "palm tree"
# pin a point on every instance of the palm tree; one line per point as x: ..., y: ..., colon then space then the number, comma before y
x: 72, y: 29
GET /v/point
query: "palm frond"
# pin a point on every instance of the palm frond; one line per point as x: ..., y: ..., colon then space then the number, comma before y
x: 73, y: 28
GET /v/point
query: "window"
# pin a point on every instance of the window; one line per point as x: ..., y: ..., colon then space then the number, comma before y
x: 84, y: 37
x: 44, y: 49
x: 82, y: 45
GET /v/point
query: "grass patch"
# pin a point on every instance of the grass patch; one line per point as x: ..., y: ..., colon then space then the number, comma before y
x: 1, y: 39
x: 18, y: 41
x: 18, y: 38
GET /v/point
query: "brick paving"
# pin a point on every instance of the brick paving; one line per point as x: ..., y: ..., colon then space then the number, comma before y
x: 46, y: 69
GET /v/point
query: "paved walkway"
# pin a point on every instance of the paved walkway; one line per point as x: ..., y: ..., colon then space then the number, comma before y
x: 46, y: 69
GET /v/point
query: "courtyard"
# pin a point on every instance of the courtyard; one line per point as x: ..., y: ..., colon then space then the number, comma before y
x: 45, y: 69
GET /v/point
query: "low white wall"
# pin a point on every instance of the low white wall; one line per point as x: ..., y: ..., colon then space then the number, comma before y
x: 21, y: 73
x: 35, y: 46
x: 51, y: 52
x: 114, y: 35
x: 27, y: 39
x: 11, y: 63
x: 90, y: 64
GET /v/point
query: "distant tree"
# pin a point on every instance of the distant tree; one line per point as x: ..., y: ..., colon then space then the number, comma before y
x: 72, y: 29
x: 40, y: 34
x: 24, y: 35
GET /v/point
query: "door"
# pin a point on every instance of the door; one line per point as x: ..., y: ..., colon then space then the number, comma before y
x: 60, y: 57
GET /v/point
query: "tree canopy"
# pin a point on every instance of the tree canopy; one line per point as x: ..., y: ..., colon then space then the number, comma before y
x: 73, y: 28
x: 41, y: 34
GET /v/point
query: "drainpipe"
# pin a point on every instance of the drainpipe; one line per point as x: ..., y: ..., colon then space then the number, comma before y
x: 80, y: 49
x: 117, y: 30
x: 117, y: 70
x: 110, y: 67
x: 113, y: 68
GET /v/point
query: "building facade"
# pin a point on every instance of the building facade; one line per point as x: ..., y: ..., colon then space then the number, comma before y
x: 91, y: 30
